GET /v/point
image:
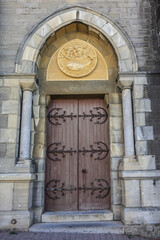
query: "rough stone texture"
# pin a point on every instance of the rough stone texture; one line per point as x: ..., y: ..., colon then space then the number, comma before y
x: 153, y: 88
x: 150, y: 194
x: 140, y: 215
x: 152, y: 91
x: 144, y: 133
x: 131, y: 196
x: 155, y: 10
x: 148, y: 231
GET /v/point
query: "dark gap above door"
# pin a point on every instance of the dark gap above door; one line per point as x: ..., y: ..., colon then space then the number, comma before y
x: 100, y: 96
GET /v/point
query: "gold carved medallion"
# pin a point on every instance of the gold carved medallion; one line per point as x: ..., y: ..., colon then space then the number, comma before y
x: 77, y: 58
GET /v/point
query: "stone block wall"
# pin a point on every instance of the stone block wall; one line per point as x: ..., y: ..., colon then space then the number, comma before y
x: 142, y: 106
x: 18, y: 17
x: 10, y: 107
x: 152, y: 89
x: 152, y: 92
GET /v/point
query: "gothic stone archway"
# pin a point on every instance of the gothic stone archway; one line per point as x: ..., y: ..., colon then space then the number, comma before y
x: 101, y: 80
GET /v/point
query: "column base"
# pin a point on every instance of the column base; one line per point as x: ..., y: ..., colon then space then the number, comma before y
x: 28, y: 164
x: 138, y: 163
x: 129, y: 163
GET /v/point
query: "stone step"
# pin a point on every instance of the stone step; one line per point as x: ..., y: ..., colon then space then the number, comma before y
x: 79, y: 227
x: 77, y: 216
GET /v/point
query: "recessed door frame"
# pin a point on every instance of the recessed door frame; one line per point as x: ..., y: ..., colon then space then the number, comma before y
x: 114, y: 99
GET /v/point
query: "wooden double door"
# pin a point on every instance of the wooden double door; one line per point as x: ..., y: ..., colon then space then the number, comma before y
x: 77, y: 164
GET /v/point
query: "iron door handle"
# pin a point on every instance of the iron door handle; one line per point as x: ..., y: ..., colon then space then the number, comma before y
x: 84, y: 170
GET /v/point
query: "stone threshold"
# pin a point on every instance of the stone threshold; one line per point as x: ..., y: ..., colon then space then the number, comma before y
x: 115, y: 227
x: 77, y: 216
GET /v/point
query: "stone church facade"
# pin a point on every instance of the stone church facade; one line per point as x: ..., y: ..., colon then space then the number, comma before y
x: 54, y: 52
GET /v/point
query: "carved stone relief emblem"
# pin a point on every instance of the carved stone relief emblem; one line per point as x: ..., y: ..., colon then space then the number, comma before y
x: 77, y: 58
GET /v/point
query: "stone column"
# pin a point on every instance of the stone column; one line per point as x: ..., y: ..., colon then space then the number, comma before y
x: 126, y: 85
x: 128, y: 121
x: 28, y: 86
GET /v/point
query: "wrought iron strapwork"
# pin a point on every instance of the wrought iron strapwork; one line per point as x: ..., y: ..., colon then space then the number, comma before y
x: 52, y: 189
x: 100, y: 187
x: 56, y: 151
x: 98, y: 115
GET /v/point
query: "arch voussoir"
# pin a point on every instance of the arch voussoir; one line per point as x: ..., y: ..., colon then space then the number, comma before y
x: 31, y: 47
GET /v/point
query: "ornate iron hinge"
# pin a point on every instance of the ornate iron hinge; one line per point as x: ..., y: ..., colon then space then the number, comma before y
x: 99, y: 185
x: 55, y: 115
x: 55, y: 149
x: 52, y: 189
x: 99, y: 151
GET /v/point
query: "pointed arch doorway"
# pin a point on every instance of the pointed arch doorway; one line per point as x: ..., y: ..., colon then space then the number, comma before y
x: 77, y: 164
x: 77, y: 149
x: 82, y: 65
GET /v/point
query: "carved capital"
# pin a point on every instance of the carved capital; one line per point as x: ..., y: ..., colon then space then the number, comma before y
x: 125, y: 82
x: 28, y: 84
x: 48, y: 100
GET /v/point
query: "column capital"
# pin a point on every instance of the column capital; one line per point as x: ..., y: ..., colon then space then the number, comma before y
x: 28, y: 84
x: 125, y: 81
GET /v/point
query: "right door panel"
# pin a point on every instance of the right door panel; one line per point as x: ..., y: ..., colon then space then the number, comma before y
x: 93, y: 158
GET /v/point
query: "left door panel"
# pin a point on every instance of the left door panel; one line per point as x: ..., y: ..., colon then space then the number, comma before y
x: 61, y: 168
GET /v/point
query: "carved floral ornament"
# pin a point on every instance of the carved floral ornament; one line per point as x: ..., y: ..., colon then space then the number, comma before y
x: 77, y: 58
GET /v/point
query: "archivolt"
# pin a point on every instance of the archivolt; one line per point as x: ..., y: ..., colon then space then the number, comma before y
x: 30, y: 48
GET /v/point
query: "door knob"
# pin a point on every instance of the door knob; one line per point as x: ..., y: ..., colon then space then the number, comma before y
x: 84, y: 170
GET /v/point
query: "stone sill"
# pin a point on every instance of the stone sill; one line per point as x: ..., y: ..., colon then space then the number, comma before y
x: 140, y: 174
x: 17, y: 177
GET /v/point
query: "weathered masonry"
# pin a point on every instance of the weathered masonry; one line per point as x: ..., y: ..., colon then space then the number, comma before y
x: 77, y: 132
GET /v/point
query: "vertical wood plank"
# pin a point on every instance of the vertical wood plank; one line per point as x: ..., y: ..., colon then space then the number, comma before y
x: 77, y: 134
x: 89, y: 133
x: 64, y: 170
